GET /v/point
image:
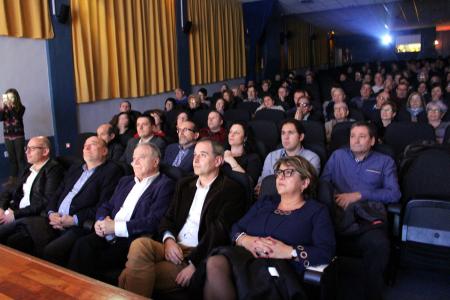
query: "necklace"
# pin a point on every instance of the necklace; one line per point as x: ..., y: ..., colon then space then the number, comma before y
x: 281, y: 212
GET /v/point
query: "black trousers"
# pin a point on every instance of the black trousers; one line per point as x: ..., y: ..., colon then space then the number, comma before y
x: 16, y: 156
x: 93, y: 255
x: 58, y: 250
x: 374, y: 248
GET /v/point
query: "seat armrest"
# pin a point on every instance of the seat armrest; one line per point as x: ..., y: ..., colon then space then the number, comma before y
x: 88, y: 225
x: 394, y: 208
x: 313, y: 274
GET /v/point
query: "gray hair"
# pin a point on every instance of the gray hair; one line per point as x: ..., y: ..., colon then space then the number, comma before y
x: 437, y: 104
x: 155, y: 150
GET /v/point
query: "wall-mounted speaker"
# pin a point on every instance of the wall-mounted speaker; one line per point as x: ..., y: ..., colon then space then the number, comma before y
x: 64, y: 13
x: 187, y: 27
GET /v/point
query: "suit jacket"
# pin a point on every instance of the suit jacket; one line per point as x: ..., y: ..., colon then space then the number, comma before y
x: 225, y: 203
x: 149, y: 209
x: 127, y: 156
x: 97, y: 189
x: 115, y: 150
x: 43, y: 188
x: 186, y: 163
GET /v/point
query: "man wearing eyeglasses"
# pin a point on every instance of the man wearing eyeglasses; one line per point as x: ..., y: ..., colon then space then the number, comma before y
x: 304, y: 110
x: 181, y: 154
x: 36, y: 185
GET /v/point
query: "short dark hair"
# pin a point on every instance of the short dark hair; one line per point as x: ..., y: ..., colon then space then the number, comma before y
x: 150, y: 119
x: 217, y: 147
x: 203, y: 91
x: 298, y: 126
x: 370, y: 127
x: 126, y: 101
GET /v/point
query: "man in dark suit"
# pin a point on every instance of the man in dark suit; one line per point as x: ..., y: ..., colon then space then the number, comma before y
x: 36, y: 185
x: 115, y: 149
x: 83, y: 189
x: 136, y: 208
x: 181, y: 154
x: 145, y: 125
x: 199, y: 219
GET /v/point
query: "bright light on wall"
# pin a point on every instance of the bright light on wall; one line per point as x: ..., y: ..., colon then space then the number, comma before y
x: 386, y: 39
x: 436, y: 42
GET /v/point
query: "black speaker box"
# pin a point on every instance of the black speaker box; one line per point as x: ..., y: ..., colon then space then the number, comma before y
x: 64, y: 13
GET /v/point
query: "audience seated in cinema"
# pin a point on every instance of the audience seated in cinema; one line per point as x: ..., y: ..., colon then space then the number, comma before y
x: 107, y: 134
x: 337, y: 96
x: 221, y: 106
x: 84, y: 188
x: 230, y: 100
x: 241, y: 157
x: 422, y: 89
x: 135, y: 209
x: 414, y: 110
x: 362, y: 177
x: 304, y: 110
x: 265, y: 89
x: 215, y: 129
x: 290, y: 227
x: 203, y: 94
x: 435, y: 112
x: 195, y: 104
x: 199, y: 219
x: 283, y: 99
x: 125, y: 128
x: 365, y: 95
x: 160, y: 120
x: 219, y: 94
x: 371, y: 108
x: 269, y: 103
x: 145, y: 125
x: 340, y: 115
x: 125, y: 107
x: 252, y: 95
x: 379, y: 83
x: 181, y: 154
x: 237, y: 94
x: 388, y: 112
x: 169, y: 104
x: 292, y: 135
x: 180, y: 98
x: 34, y: 188
x: 437, y: 94
x: 401, y: 95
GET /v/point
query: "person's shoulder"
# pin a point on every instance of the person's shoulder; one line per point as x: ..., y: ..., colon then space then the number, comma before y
x: 314, y: 206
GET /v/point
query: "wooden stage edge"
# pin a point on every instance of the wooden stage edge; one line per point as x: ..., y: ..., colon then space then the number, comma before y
x: 23, y: 276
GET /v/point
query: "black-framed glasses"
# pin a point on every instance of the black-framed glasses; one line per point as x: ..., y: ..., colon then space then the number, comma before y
x: 184, y: 130
x: 284, y: 173
x: 32, y: 148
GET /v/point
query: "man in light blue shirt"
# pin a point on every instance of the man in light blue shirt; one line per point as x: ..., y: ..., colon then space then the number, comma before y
x: 292, y: 135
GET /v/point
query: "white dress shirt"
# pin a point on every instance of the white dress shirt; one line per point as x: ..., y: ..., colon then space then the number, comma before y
x: 188, y: 236
x: 25, y: 201
x: 126, y: 211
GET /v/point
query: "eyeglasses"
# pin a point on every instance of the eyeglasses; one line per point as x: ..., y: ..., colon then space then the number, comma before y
x: 434, y: 110
x: 386, y: 110
x: 302, y: 104
x: 185, y: 130
x: 32, y: 148
x: 284, y: 173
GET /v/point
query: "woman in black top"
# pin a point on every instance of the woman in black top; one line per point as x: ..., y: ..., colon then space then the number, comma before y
x: 241, y: 157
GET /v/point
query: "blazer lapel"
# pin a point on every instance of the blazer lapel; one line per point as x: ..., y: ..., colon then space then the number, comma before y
x: 213, y: 190
x: 145, y: 195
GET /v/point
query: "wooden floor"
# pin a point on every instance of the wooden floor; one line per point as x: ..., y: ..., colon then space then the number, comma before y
x: 26, y: 277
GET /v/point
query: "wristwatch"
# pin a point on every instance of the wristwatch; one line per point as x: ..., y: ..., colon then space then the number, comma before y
x: 294, y: 253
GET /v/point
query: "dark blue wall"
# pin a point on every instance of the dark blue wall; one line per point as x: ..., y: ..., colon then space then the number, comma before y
x: 62, y: 84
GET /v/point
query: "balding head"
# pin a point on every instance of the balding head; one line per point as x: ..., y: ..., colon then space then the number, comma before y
x: 95, y: 151
x: 38, y: 150
x: 106, y: 132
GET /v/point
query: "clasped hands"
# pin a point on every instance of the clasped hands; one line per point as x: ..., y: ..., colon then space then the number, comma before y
x: 59, y: 222
x: 345, y: 199
x: 104, y: 227
x: 7, y: 216
x: 174, y: 254
x: 266, y: 247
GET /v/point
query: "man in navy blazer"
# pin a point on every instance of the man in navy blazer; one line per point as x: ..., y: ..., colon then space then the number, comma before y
x: 135, y: 209
x: 83, y: 189
x: 181, y: 155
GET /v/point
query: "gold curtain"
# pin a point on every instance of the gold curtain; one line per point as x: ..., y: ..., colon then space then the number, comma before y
x: 320, y: 47
x: 216, y: 40
x: 25, y: 18
x: 123, y: 48
x: 298, y: 44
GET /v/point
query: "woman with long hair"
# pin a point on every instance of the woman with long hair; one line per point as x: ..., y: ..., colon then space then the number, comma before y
x: 11, y: 113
